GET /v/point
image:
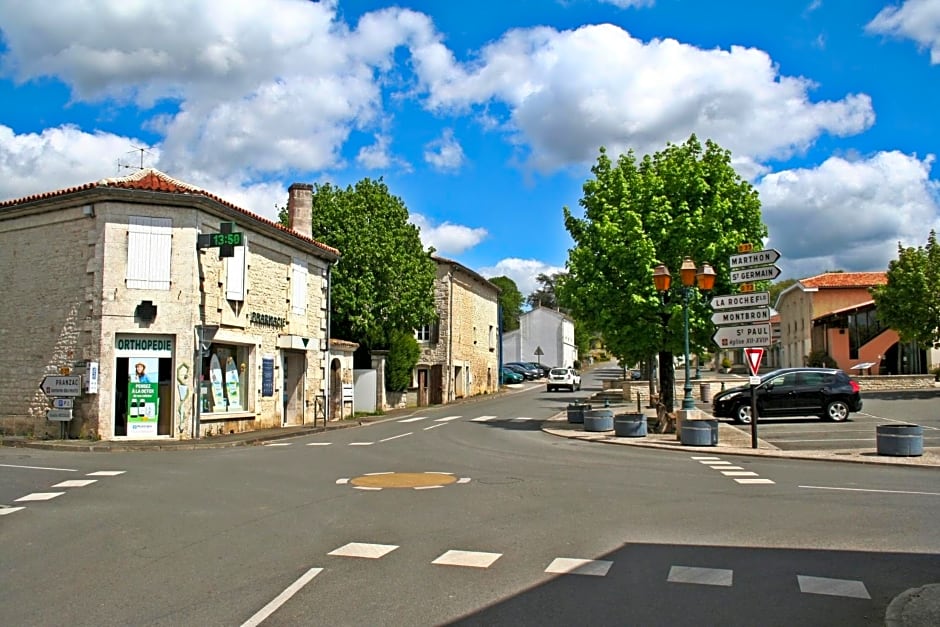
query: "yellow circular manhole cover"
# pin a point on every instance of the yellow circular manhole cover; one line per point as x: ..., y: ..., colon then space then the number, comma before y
x: 413, y: 480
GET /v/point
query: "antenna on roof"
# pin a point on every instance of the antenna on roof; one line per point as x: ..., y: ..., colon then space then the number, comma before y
x: 138, y: 149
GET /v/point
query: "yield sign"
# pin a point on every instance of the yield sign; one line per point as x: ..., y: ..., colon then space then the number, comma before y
x: 754, y: 355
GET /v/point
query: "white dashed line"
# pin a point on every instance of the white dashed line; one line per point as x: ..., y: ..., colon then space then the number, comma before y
x: 463, y: 480
x: 318, y: 443
x: 395, y: 437
x: 428, y: 487
x: 833, y: 587
x: 361, y: 443
x: 75, y: 483
x: 415, y: 419
x: 822, y: 487
x: 362, y: 549
x: 448, y: 418
x: 738, y: 473
x: 482, y: 418
x: 754, y: 481
x: 342, y: 481
x: 706, y: 459
x: 282, y: 598
x: 37, y: 468
x: 277, y: 443
x: 441, y: 424
x: 573, y: 566
x: 473, y: 559
x: 9, y: 510
x: 39, y: 496
x: 106, y: 473
x: 702, y: 576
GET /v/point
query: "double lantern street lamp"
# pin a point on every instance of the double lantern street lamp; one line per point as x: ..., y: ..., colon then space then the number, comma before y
x: 704, y: 279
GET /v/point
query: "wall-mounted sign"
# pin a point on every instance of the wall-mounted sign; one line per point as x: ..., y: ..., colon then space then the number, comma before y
x: 266, y: 320
x: 267, y: 376
x: 143, y: 346
x: 91, y: 378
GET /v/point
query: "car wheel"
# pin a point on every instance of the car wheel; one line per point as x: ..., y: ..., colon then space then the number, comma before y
x: 579, y: 387
x: 837, y: 411
x: 551, y: 389
x: 742, y: 413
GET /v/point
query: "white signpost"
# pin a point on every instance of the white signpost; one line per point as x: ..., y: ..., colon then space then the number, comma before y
x: 62, y: 403
x: 749, y: 275
x: 61, y: 385
x: 741, y: 316
x: 736, y: 301
x: 743, y: 336
x: 61, y: 415
x: 756, y: 258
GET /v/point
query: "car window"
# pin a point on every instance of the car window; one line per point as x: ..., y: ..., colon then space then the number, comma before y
x: 559, y: 371
x: 787, y: 379
x: 813, y: 378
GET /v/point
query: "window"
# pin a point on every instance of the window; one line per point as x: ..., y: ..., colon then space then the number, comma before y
x: 224, y: 384
x: 492, y: 337
x: 298, y: 283
x: 149, y: 242
x: 236, y: 269
x: 423, y: 333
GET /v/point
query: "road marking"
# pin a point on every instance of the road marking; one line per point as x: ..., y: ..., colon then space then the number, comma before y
x: 75, y: 483
x: 715, y: 463
x: 415, y: 419
x: 9, y: 510
x: 723, y: 468
x: 342, y: 481
x: 447, y: 418
x: 482, y: 418
x: 427, y: 487
x: 463, y: 480
x: 903, y: 422
x: 395, y: 437
x: 282, y: 598
x: 703, y: 576
x: 833, y: 587
x: 738, y: 473
x: 362, y: 549
x: 574, y: 566
x: 705, y: 459
x: 473, y: 559
x: 825, y: 440
x: 278, y: 443
x: 522, y: 419
x: 39, y: 496
x: 376, y: 474
x: 106, y: 473
x: 823, y: 487
x: 361, y: 443
x: 440, y: 424
x: 318, y: 443
x: 37, y: 468
x: 754, y: 481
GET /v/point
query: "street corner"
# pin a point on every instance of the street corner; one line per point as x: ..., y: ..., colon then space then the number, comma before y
x: 403, y: 480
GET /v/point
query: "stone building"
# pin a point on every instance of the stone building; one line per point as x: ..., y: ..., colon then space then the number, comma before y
x: 459, y: 354
x: 122, y: 283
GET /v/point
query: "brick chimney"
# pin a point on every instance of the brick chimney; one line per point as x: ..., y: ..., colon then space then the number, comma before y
x: 299, y: 208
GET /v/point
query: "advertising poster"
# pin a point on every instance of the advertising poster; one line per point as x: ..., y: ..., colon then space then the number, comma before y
x: 142, y: 397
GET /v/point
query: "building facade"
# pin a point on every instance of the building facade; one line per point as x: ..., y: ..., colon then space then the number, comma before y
x: 544, y: 336
x: 459, y: 354
x: 121, y: 285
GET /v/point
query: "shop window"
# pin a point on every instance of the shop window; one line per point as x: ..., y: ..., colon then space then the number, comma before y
x: 224, y: 385
x: 149, y: 243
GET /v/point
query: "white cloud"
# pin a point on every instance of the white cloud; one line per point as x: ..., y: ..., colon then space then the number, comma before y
x: 522, y: 271
x: 624, y: 4
x: 914, y: 19
x: 569, y: 92
x: 379, y: 157
x: 448, y: 239
x: 445, y: 152
x: 849, y: 215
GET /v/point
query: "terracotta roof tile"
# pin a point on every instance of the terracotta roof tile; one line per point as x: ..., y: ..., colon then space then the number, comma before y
x: 149, y: 179
x: 845, y: 279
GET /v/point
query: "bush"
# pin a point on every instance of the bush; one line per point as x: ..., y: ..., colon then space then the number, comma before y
x: 577, y: 364
x: 725, y: 362
x: 821, y: 359
x: 403, y: 354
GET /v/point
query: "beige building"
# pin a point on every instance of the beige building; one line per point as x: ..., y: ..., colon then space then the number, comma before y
x: 119, y: 287
x: 808, y: 299
x: 459, y: 354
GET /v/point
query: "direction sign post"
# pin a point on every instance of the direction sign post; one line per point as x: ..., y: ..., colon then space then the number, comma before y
x: 59, y: 415
x: 736, y: 301
x: 743, y: 336
x: 756, y: 258
x: 749, y: 275
x: 58, y: 385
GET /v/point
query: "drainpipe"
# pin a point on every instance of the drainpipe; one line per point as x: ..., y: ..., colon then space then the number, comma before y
x: 451, y: 380
x: 326, y: 348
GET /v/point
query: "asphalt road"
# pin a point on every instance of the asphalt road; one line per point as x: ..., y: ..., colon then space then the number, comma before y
x: 480, y: 519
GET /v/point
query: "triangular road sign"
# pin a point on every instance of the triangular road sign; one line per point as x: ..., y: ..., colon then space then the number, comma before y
x: 754, y: 356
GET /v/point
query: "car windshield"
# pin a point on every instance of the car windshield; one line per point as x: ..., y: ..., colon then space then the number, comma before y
x: 561, y: 371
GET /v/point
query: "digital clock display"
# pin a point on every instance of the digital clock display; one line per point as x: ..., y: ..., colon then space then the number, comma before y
x: 226, y: 239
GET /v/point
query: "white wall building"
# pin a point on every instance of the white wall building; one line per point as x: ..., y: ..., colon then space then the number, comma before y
x: 545, y: 329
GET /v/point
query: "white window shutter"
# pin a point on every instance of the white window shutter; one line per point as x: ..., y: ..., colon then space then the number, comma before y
x: 149, y: 252
x: 162, y: 241
x: 236, y: 269
x: 138, y: 232
x: 298, y: 281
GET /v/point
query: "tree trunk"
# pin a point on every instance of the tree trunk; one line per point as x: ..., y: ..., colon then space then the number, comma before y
x: 667, y: 380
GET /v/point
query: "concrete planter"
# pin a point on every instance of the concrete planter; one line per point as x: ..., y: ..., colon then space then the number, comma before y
x: 576, y: 413
x: 597, y: 420
x: 630, y: 425
x: 699, y: 433
x: 900, y: 440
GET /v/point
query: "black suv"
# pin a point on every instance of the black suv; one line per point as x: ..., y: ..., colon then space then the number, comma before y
x: 825, y: 392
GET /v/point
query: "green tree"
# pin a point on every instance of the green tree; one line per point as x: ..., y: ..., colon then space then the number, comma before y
x: 510, y: 301
x: 681, y: 201
x: 385, y: 279
x: 544, y: 296
x: 909, y: 302
x: 776, y: 288
x: 403, y: 355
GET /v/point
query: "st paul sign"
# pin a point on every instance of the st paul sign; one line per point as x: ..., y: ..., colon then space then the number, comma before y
x: 743, y: 336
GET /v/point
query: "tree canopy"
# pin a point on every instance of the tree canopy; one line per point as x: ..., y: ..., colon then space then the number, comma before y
x: 681, y: 201
x: 910, y: 301
x: 384, y: 281
x: 545, y: 295
x: 510, y: 301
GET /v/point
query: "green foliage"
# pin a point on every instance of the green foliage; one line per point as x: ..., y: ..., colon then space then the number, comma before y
x: 775, y: 289
x: 910, y: 302
x: 545, y: 296
x: 821, y: 358
x: 403, y: 355
x: 681, y: 201
x: 725, y: 362
x: 385, y: 279
x: 510, y: 300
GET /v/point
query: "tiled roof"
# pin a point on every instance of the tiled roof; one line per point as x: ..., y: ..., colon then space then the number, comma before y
x: 845, y: 279
x: 151, y: 180
x: 472, y: 273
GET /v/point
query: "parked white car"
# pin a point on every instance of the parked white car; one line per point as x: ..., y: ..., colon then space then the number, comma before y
x: 563, y: 378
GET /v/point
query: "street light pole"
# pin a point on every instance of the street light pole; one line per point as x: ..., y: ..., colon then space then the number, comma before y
x: 704, y: 278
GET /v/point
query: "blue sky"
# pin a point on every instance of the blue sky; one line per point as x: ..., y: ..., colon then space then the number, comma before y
x: 485, y: 117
